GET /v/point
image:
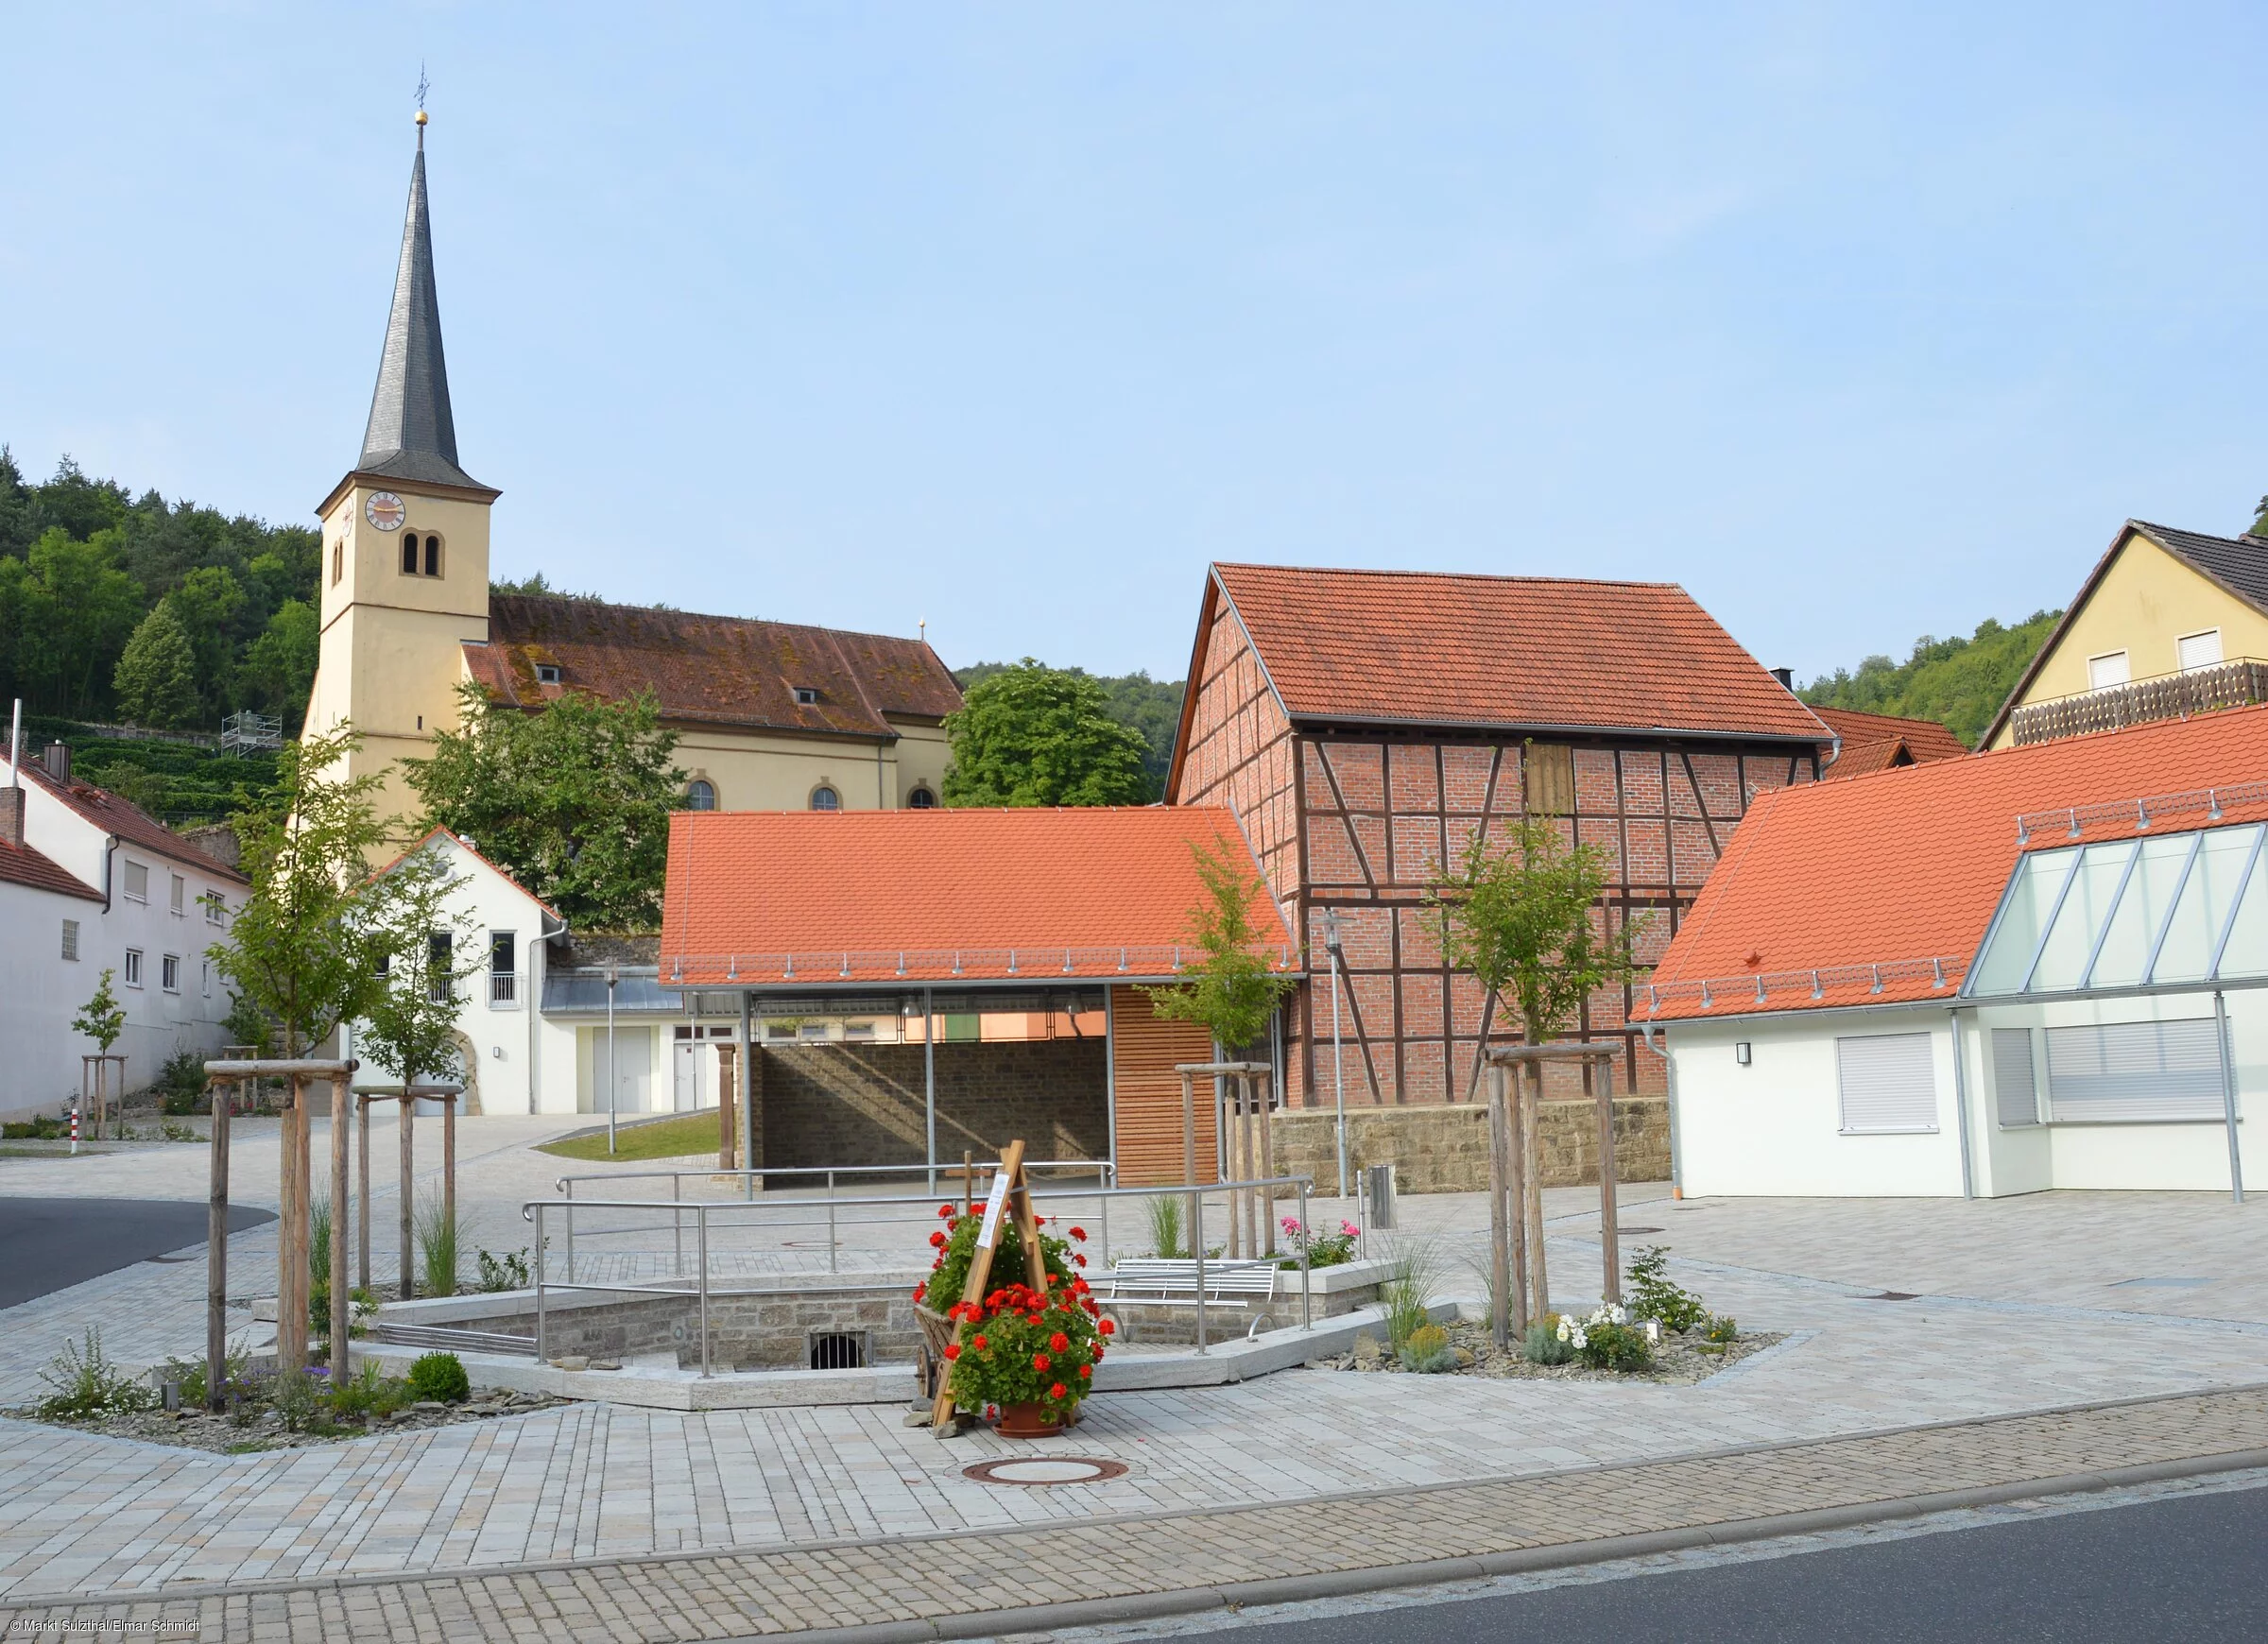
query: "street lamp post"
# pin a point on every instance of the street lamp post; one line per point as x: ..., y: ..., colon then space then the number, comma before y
x: 1338, y: 1071
x: 614, y: 1083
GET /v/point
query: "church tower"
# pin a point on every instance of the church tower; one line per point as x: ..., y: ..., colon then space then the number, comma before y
x: 405, y: 542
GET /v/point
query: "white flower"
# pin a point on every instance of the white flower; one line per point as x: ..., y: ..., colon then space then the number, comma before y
x: 1616, y: 1316
x: 1578, y: 1340
x: 1566, y: 1330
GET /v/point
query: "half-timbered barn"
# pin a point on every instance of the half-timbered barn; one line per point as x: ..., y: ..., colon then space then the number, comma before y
x: 1367, y: 726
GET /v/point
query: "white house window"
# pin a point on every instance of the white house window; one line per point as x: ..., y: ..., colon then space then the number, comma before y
x: 169, y: 973
x: 440, y: 953
x: 547, y: 673
x: 2198, y: 650
x: 807, y: 696
x: 137, y: 882
x: 133, y: 967
x: 213, y: 904
x: 71, y: 938
x: 779, y: 1030
x: 181, y: 895
x: 2016, y: 1094
x: 858, y: 1030
x: 921, y: 799
x: 1889, y: 1084
x: 825, y: 799
x: 2134, y: 1072
x: 701, y: 795
x: 812, y: 1030
x: 2107, y: 670
x: 504, y: 974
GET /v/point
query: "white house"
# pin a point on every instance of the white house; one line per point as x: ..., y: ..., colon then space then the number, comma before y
x: 89, y: 882
x: 2040, y: 967
x: 535, y: 1032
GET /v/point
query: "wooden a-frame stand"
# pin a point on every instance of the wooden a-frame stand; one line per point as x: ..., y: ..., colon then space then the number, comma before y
x: 1011, y: 1198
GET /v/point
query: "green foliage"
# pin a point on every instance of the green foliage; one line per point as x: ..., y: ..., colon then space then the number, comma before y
x: 440, y: 1376
x: 297, y: 1397
x: 1165, y: 1225
x: 1232, y: 990
x: 235, y: 1366
x: 1544, y: 1344
x: 248, y: 1024
x: 426, y: 949
x: 103, y: 1018
x: 436, y: 1247
x: 1428, y: 1351
x: 296, y: 949
x: 83, y: 563
x: 175, y: 778
x: 1655, y: 1296
x: 1413, y: 1275
x: 1322, y: 1249
x: 1721, y: 1329
x: 540, y: 585
x: 279, y: 666
x: 1036, y: 735
x: 369, y: 1392
x: 954, y: 1243
x: 572, y: 802
x: 678, y: 1137
x: 1609, y: 1340
x: 179, y: 1086
x: 84, y: 1382
x: 1524, y: 918
x: 155, y: 678
x: 1150, y: 707
x: 1958, y: 682
x: 1026, y: 1346
x: 507, y: 1272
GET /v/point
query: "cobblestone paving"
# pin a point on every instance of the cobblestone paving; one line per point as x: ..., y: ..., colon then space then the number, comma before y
x: 789, y: 1589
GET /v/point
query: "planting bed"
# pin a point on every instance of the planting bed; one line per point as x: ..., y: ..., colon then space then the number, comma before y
x: 1680, y: 1360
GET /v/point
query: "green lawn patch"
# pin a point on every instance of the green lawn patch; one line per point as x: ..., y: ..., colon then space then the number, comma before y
x: 688, y: 1132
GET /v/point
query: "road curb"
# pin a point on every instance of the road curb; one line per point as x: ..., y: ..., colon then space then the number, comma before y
x: 1517, y: 1561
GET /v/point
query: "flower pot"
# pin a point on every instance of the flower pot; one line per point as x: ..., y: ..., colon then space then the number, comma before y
x: 1027, y: 1421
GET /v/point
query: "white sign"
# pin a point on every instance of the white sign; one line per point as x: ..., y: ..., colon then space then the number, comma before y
x: 994, y: 1204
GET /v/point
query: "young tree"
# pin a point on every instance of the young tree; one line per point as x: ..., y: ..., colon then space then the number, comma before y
x: 102, y: 1020
x: 1234, y: 989
x: 1524, y: 918
x: 572, y: 802
x: 156, y: 680
x: 1036, y: 735
x: 424, y: 949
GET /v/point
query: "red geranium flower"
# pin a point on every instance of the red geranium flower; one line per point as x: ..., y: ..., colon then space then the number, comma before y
x: 978, y: 1342
x: 1086, y: 1369
x: 1080, y: 1234
x: 952, y: 1349
x: 1058, y: 1391
x: 1108, y: 1327
x: 1041, y: 1361
x: 917, y: 1291
x: 946, y: 1211
x: 938, y: 1240
x: 1058, y: 1341
x: 1081, y: 1261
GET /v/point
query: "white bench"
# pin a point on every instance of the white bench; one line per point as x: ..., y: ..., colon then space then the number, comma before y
x: 1172, y: 1281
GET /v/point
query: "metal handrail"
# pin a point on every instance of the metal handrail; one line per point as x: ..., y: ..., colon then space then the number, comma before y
x: 535, y: 1209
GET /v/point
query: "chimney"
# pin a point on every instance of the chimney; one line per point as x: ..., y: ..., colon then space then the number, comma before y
x: 57, y: 760
x: 11, y: 816
x: 1786, y: 677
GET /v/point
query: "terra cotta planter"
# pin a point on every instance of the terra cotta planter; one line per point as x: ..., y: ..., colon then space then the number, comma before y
x: 1027, y: 1421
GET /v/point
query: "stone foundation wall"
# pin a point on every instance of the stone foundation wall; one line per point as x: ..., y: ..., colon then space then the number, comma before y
x: 1445, y: 1149
x: 770, y: 1331
x: 849, y: 1104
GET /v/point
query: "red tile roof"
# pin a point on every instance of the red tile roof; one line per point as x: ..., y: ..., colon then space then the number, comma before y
x: 1878, y: 742
x: 1903, y: 870
x: 952, y: 896
x: 130, y: 822
x: 20, y: 865
x: 1519, y: 652
x: 712, y: 669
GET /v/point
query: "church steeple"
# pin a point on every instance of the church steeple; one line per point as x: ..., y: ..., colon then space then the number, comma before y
x: 412, y: 434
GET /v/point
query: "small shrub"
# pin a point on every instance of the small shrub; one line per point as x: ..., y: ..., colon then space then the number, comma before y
x: 1428, y: 1351
x: 1323, y: 1249
x: 507, y: 1272
x: 1407, y: 1295
x: 190, y: 1373
x: 437, y: 1248
x: 40, y: 1128
x: 1721, y: 1328
x: 83, y: 1382
x: 297, y: 1397
x: 369, y: 1392
x: 440, y: 1376
x: 1165, y: 1225
x: 1609, y: 1340
x: 179, y: 1086
x: 1544, y: 1344
x: 1653, y: 1296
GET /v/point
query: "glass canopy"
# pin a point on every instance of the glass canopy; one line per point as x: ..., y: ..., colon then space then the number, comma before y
x: 2164, y: 910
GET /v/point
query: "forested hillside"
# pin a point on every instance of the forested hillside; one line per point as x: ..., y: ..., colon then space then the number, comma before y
x: 1149, y: 706
x: 217, y: 612
x: 1958, y: 682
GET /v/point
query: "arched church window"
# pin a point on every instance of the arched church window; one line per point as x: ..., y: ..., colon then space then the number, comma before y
x: 338, y: 563
x: 409, y: 555
x: 433, y: 555
x: 825, y: 799
x: 921, y: 799
x: 701, y: 795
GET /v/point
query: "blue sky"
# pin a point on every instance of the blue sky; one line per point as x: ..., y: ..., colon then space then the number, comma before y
x: 1861, y: 322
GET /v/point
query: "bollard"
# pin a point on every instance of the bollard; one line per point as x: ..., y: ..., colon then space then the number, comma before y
x: 74, y: 1130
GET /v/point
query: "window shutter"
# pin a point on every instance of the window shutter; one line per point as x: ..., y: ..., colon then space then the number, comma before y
x: 2198, y: 650
x: 1551, y: 779
x: 2134, y: 1072
x: 1889, y: 1084
x: 2016, y: 1094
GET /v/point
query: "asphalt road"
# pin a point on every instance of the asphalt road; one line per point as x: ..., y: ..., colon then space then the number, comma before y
x: 46, y: 1244
x: 2183, y: 1567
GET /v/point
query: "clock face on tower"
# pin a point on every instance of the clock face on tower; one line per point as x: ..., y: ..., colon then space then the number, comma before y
x: 384, y: 510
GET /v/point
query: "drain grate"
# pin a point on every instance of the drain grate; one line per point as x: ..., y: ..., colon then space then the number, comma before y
x: 1626, y: 1232
x: 1034, y: 1470
x: 838, y: 1351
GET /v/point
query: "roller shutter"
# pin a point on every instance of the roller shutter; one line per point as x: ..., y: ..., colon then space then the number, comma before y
x: 1888, y: 1083
x: 2134, y: 1071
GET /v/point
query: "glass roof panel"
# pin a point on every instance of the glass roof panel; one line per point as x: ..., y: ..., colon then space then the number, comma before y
x: 2247, y: 954
x: 2203, y: 905
x: 2031, y: 894
x: 2142, y: 910
x: 2086, y: 906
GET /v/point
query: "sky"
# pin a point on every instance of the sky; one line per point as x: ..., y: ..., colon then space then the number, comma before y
x: 1861, y: 322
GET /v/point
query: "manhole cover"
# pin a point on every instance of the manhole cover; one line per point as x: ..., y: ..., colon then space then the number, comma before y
x: 1626, y: 1232
x: 1893, y: 1296
x: 1045, y: 1470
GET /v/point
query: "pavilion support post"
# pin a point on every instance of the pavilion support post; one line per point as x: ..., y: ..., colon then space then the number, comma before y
x: 409, y: 1162
x: 2228, y: 1096
x: 1189, y: 1175
x: 1501, y: 1306
x: 1267, y: 1168
x: 449, y: 1166
x: 362, y: 1192
x: 291, y: 1241
x: 341, y: 1302
x: 727, y: 1152
x: 216, y: 1255
x: 1531, y: 1164
x: 1610, y: 1247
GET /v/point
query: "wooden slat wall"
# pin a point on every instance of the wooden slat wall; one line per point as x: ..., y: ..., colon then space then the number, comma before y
x: 1144, y: 1049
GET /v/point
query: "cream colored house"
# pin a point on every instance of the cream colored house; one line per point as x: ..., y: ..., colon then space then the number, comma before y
x: 2170, y: 622
x: 769, y: 716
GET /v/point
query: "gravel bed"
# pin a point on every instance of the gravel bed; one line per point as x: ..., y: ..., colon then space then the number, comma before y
x: 1679, y: 1362
x: 197, y: 1430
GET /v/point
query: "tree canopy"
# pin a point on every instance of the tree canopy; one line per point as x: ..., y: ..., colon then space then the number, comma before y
x: 156, y: 680
x: 427, y: 947
x: 1959, y: 682
x: 1232, y: 990
x: 1150, y: 707
x: 1035, y: 735
x: 83, y: 562
x: 572, y: 802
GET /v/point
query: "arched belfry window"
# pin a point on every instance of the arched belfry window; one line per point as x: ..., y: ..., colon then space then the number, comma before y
x: 825, y: 799
x: 433, y: 555
x: 701, y: 795
x: 409, y: 555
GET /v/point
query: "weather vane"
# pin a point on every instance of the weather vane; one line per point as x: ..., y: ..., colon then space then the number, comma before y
x: 423, y: 86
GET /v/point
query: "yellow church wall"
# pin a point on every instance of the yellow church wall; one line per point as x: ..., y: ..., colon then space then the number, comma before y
x: 2145, y: 602
x: 369, y: 571
x: 756, y: 771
